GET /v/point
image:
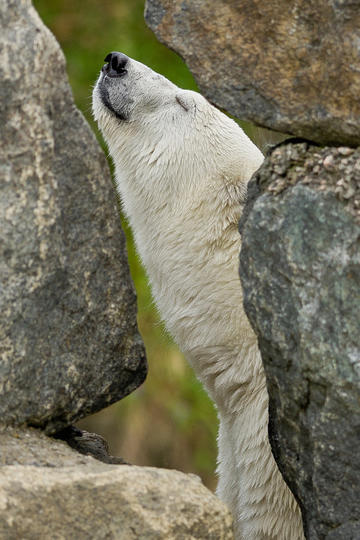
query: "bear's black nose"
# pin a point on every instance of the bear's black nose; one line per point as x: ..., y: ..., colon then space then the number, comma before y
x: 116, y: 64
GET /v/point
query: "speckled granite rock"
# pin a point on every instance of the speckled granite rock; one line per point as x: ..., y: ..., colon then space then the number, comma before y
x: 69, y: 341
x: 300, y: 270
x: 47, y: 490
x: 287, y: 65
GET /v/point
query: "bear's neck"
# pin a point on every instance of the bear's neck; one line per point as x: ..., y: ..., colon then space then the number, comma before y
x: 190, y: 249
x: 189, y: 244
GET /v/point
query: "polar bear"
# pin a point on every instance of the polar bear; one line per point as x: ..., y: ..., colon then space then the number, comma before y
x: 181, y: 169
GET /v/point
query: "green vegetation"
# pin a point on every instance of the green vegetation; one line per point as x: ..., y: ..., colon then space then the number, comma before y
x: 169, y: 421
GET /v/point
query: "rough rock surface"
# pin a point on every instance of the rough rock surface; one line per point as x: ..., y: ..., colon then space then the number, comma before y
x: 300, y: 270
x: 50, y: 491
x: 287, y: 65
x: 69, y: 342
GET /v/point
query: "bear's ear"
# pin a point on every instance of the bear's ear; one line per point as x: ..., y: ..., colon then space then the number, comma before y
x: 184, y: 99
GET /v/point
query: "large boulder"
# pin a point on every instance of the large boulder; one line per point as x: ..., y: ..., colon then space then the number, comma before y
x: 50, y: 491
x: 300, y: 270
x: 287, y: 65
x: 69, y: 341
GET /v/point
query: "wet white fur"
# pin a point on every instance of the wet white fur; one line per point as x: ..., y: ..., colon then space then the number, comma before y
x: 181, y: 169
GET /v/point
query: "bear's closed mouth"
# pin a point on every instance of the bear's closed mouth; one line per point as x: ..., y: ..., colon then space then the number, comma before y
x: 104, y: 95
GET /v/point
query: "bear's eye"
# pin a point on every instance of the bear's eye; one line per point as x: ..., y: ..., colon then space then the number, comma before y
x: 182, y: 101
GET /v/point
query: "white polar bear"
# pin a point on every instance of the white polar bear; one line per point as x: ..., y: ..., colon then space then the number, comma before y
x: 181, y: 169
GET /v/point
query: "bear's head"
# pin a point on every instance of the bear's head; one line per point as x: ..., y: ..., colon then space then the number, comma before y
x: 132, y: 91
x: 152, y: 127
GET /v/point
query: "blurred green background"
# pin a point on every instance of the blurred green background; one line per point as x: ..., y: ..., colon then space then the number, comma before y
x: 169, y: 422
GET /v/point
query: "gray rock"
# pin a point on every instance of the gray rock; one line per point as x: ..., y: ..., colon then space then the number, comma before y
x: 28, y: 446
x: 69, y: 341
x: 286, y: 65
x: 57, y: 493
x: 300, y: 270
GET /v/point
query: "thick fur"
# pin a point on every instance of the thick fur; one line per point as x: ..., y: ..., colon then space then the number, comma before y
x: 181, y: 169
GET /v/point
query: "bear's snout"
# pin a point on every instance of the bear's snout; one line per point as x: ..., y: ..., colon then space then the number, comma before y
x: 116, y: 63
